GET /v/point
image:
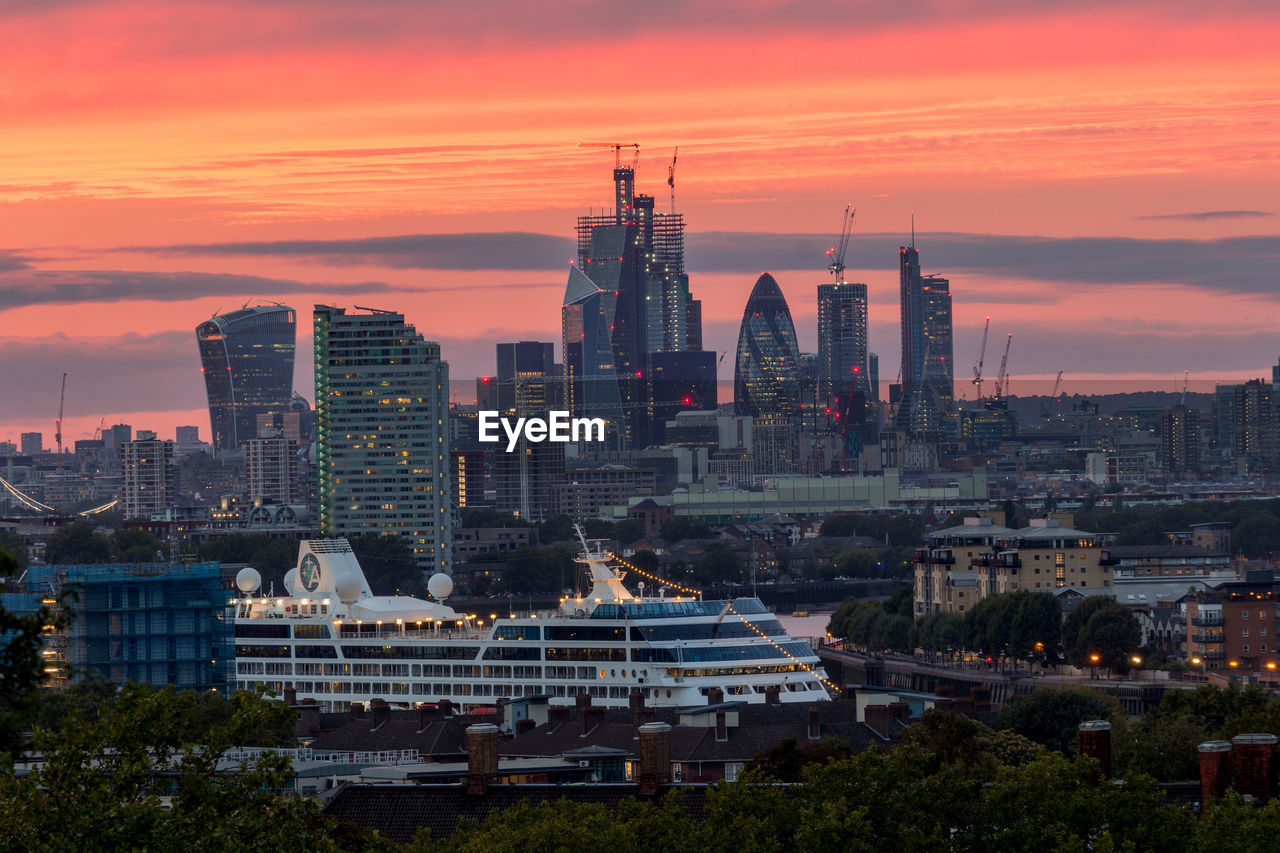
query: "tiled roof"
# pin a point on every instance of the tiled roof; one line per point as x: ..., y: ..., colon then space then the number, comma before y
x: 445, y: 736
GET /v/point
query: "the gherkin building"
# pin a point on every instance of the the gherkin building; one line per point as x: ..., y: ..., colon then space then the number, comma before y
x: 766, y: 380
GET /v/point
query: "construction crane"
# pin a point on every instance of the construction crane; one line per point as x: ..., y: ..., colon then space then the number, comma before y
x: 671, y: 178
x: 982, y: 354
x: 97, y: 433
x: 1047, y: 407
x: 1004, y: 363
x: 835, y: 255
x: 617, y: 151
x: 1186, y: 378
x: 57, y: 425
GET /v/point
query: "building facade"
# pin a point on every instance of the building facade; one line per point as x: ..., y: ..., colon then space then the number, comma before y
x: 766, y: 376
x: 928, y: 389
x: 148, y: 482
x: 382, y: 424
x: 247, y: 360
x: 964, y: 564
x: 842, y: 340
x: 271, y: 470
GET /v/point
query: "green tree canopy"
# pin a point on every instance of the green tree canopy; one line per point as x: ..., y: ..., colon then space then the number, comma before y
x: 1051, y: 715
x: 1101, y: 625
x: 75, y: 544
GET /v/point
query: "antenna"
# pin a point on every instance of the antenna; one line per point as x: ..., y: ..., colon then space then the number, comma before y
x: 913, y: 229
x: 671, y: 178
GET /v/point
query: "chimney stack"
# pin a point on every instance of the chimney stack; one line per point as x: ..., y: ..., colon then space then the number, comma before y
x: 1255, y: 764
x: 715, y: 696
x: 1095, y: 742
x: 900, y: 711
x: 880, y: 718
x: 635, y: 699
x: 655, y: 757
x: 445, y: 707
x: 381, y: 712
x: 582, y: 700
x: 592, y: 716
x: 482, y: 756
x: 357, y: 711
x: 1215, y: 770
x: 945, y: 690
x: 815, y: 728
x: 773, y: 695
x: 525, y: 725
x: 981, y: 699
x: 557, y: 715
x: 426, y: 716
x: 290, y: 696
x: 308, y: 724
x: 722, y: 726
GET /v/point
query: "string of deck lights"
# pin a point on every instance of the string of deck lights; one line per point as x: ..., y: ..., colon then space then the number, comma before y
x: 654, y: 578
x: 800, y: 663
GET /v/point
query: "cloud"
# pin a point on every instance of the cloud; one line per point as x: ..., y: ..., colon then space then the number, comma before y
x: 509, y: 250
x: 48, y: 287
x: 10, y: 262
x: 1231, y: 264
x: 1198, y: 215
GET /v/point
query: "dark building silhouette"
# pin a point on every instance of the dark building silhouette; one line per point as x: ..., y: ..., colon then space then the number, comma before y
x: 526, y: 377
x: 766, y: 378
x: 247, y: 360
x: 1180, y: 440
x: 928, y: 396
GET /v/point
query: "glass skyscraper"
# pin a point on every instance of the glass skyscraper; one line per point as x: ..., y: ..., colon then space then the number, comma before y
x: 766, y: 378
x: 928, y: 387
x: 247, y: 360
x: 842, y: 339
x: 382, y: 432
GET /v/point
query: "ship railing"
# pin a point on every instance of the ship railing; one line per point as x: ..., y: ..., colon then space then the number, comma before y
x: 248, y: 754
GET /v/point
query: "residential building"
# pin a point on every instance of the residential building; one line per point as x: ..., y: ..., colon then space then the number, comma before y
x: 585, y: 491
x: 148, y: 479
x: 271, y: 469
x: 525, y: 478
x: 467, y: 472
x: 382, y: 424
x: 32, y: 443
x: 1234, y: 626
x: 1180, y: 441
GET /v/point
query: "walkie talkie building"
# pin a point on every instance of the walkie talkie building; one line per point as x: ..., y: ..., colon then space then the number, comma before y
x: 247, y: 359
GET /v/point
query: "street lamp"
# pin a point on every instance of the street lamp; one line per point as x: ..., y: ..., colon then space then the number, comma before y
x: 1204, y: 668
x: 1093, y: 659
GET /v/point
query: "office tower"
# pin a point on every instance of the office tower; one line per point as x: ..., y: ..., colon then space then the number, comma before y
x: 382, y: 432
x: 271, y: 469
x: 1255, y: 446
x: 526, y: 374
x: 842, y: 340
x: 187, y: 436
x: 115, y: 437
x: 32, y: 443
x: 774, y: 445
x: 627, y: 299
x: 148, y: 483
x: 766, y: 377
x: 288, y: 424
x: 247, y: 359
x: 1180, y: 440
x: 466, y: 468
x: 928, y: 396
x: 679, y: 382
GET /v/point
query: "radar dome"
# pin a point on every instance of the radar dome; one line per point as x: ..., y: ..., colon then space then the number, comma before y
x: 247, y: 580
x: 347, y: 587
x: 291, y: 582
x: 440, y: 585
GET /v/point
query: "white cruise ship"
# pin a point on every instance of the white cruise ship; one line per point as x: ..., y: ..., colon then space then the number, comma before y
x: 332, y: 640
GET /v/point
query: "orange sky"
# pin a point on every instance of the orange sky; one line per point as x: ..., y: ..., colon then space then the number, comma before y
x: 133, y: 124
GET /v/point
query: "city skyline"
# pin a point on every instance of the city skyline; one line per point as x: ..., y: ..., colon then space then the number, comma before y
x: 1106, y: 197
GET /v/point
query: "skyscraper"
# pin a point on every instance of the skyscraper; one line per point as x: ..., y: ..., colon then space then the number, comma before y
x: 928, y: 395
x: 842, y: 339
x: 526, y: 374
x: 629, y: 294
x: 766, y: 377
x: 382, y: 432
x: 247, y: 360
x: 1180, y: 440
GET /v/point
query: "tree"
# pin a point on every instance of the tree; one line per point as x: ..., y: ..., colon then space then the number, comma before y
x: 12, y: 544
x: 719, y: 563
x: 1101, y: 626
x: 76, y: 544
x: 102, y: 780
x: 134, y: 545
x: 1051, y: 715
x: 1036, y: 624
x: 389, y: 564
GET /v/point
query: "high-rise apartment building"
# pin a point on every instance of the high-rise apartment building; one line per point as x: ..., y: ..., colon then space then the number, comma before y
x: 525, y: 479
x: 766, y: 377
x: 467, y: 471
x: 382, y: 432
x: 1256, y: 446
x: 928, y: 388
x: 148, y: 483
x: 842, y: 340
x: 32, y: 443
x: 187, y: 436
x: 1180, y: 440
x: 271, y: 469
x: 247, y: 359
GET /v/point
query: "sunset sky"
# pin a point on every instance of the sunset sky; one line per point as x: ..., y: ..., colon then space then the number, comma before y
x: 1100, y: 178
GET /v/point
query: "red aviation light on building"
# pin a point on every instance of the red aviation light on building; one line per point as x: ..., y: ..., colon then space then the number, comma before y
x: 688, y: 401
x: 638, y: 373
x: 484, y: 379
